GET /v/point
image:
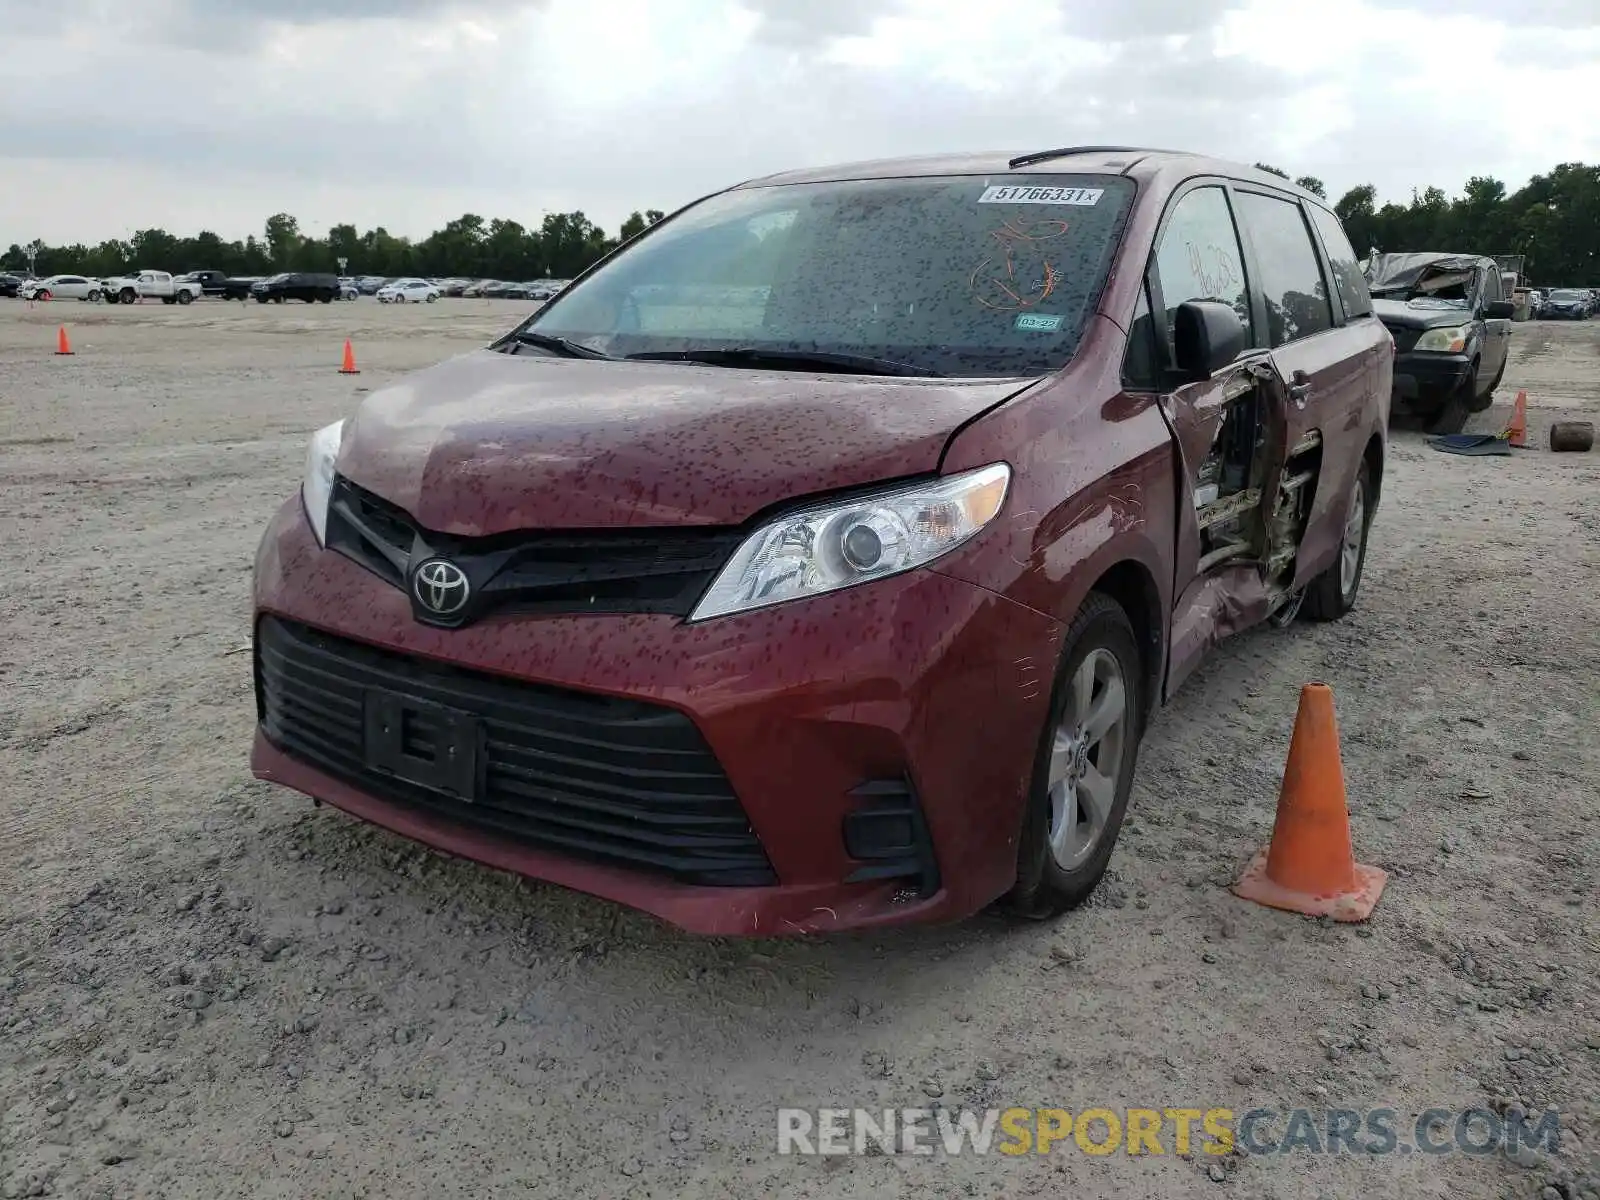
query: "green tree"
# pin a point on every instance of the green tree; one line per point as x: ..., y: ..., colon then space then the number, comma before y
x: 1271, y: 170
x: 1313, y: 185
x: 283, y: 238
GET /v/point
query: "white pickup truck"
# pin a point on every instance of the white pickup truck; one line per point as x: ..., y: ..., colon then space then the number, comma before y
x: 156, y: 285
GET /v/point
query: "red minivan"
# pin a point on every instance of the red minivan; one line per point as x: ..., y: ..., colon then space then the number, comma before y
x: 816, y: 559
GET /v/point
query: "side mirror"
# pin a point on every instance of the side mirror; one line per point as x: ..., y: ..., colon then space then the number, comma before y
x: 1499, y: 310
x: 1207, y: 336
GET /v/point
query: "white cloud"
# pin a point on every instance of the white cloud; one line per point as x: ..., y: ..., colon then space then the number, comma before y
x: 215, y: 113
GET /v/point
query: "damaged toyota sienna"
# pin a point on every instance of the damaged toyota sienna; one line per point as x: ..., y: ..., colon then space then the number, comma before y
x: 816, y: 559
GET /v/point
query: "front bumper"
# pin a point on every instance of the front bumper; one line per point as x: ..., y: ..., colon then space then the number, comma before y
x: 1428, y: 377
x: 918, y: 676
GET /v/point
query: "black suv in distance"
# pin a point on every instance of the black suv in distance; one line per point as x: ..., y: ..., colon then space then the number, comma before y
x: 10, y: 282
x: 1451, y: 324
x: 297, y: 285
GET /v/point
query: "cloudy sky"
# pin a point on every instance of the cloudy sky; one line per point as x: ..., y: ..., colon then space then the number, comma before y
x: 187, y: 114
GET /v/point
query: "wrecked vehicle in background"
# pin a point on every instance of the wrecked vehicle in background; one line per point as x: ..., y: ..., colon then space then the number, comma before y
x: 1451, y: 323
x: 816, y: 560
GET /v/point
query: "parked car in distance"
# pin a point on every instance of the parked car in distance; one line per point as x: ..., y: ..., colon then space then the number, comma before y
x: 149, y: 285
x: 11, y: 284
x: 1451, y: 325
x: 212, y: 283
x: 369, y: 284
x: 1535, y: 302
x: 409, y: 291
x: 297, y: 285
x: 476, y: 289
x: 239, y: 287
x: 1567, y: 304
x: 818, y: 558
x: 349, y: 289
x: 61, y: 287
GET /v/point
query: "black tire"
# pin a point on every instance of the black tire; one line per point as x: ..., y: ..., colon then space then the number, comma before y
x: 277, y: 299
x: 168, y: 300
x: 1044, y: 887
x: 1457, y: 407
x: 41, y: 294
x: 185, y: 297
x: 259, y: 299
x: 94, y: 296
x: 128, y: 296
x: 1330, y: 596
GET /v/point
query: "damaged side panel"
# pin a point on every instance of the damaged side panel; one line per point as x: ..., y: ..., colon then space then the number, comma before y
x: 1242, y: 513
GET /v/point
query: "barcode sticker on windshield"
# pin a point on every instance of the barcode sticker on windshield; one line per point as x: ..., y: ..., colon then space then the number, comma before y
x: 1012, y: 194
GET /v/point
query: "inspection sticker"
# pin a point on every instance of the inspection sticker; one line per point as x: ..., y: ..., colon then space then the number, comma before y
x: 1012, y: 194
x: 1039, y: 322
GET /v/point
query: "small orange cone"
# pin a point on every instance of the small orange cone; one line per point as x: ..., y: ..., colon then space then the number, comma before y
x: 63, y: 346
x: 1517, y: 432
x: 1309, y: 866
x: 349, y: 367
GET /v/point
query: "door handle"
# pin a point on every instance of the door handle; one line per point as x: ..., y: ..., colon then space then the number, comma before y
x: 1299, y: 388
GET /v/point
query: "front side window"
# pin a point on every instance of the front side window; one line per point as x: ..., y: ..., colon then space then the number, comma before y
x: 954, y: 275
x: 1199, y: 258
x: 1291, y: 276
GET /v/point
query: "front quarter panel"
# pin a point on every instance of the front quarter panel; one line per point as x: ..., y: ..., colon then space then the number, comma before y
x: 1092, y: 486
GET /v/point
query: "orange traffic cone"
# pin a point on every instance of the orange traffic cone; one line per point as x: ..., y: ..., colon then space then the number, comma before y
x: 349, y: 367
x: 63, y: 346
x: 1517, y: 432
x: 1309, y: 866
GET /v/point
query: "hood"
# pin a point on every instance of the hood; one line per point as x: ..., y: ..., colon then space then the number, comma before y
x: 492, y: 442
x: 1419, y: 314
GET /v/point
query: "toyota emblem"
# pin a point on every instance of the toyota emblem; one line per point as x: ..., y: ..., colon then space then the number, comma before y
x: 441, y: 587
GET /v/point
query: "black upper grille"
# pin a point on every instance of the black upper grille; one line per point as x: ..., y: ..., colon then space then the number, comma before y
x: 604, y: 571
x: 1405, y: 337
x: 609, y: 779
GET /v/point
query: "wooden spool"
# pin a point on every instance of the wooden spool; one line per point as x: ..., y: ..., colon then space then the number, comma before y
x: 1572, y: 435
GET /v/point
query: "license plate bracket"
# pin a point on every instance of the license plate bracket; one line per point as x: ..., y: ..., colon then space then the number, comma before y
x: 427, y: 744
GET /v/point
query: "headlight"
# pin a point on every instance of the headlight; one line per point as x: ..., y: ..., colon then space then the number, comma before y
x: 838, y: 545
x: 317, y: 489
x: 1445, y: 341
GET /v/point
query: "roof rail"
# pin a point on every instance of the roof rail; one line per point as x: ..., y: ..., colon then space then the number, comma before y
x: 1039, y: 156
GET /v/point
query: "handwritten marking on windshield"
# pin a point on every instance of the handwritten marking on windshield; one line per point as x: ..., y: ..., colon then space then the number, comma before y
x: 1016, y: 275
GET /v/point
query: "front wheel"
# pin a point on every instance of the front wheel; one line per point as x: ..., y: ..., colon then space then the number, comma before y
x: 431, y: 297
x: 94, y: 296
x: 1452, y: 415
x: 185, y: 297
x: 41, y: 295
x: 1333, y: 593
x: 127, y: 295
x: 1083, y: 768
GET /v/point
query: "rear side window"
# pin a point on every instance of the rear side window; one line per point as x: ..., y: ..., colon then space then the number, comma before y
x: 1347, y: 276
x: 1199, y: 259
x: 1291, y: 276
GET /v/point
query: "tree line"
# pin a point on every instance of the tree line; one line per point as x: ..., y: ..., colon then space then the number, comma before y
x: 1554, y: 220
x: 559, y: 247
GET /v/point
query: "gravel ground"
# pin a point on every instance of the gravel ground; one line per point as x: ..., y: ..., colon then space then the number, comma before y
x: 208, y: 988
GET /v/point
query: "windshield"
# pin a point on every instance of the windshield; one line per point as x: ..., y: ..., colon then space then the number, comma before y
x: 1438, y: 289
x: 1566, y: 295
x: 956, y: 275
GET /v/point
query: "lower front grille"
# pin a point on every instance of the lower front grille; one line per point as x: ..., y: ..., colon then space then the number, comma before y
x: 606, y: 779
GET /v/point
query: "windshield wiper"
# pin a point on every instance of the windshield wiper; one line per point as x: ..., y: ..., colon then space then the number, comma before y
x: 754, y: 356
x: 559, y: 345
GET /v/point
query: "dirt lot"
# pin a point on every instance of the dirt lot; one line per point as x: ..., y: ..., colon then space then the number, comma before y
x: 208, y: 988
